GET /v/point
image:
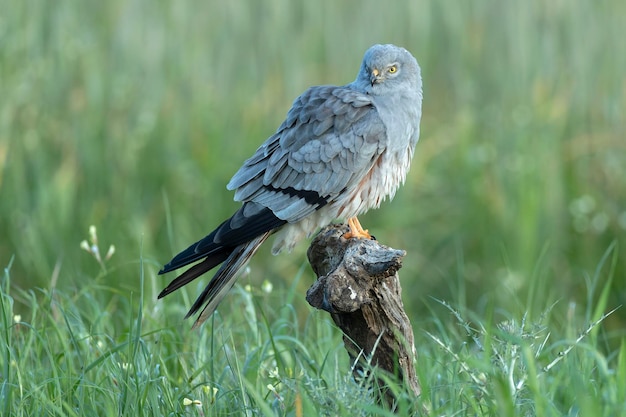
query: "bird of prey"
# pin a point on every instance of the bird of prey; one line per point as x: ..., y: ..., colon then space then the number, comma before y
x: 341, y: 151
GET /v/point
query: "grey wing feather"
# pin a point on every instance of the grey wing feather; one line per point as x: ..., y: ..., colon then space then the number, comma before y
x: 330, y: 139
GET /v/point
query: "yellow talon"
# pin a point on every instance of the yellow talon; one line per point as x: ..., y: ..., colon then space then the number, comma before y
x: 356, y: 230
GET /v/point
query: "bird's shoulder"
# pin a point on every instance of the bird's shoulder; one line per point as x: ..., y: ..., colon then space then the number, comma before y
x: 324, y: 113
x: 345, y: 93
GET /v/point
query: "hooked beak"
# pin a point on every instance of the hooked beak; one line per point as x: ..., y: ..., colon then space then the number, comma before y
x: 375, y: 77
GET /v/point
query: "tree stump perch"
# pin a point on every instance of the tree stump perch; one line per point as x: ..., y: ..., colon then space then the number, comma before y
x: 359, y: 286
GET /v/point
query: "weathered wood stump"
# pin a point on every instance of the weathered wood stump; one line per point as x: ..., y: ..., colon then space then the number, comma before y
x: 359, y: 286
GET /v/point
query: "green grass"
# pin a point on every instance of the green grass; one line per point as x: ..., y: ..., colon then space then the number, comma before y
x: 76, y: 356
x: 133, y: 115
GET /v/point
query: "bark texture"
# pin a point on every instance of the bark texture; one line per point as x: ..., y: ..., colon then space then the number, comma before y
x: 358, y: 285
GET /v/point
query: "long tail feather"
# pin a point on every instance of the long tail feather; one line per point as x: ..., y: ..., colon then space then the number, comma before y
x: 251, y: 223
x: 195, y: 271
x: 224, y: 279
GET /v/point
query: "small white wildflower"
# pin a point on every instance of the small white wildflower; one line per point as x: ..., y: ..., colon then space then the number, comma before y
x: 482, y: 378
x: 110, y: 252
x: 96, y: 253
x: 17, y: 318
x: 91, y: 246
x: 273, y: 373
x: 211, y: 392
x: 93, y: 235
x: 267, y: 287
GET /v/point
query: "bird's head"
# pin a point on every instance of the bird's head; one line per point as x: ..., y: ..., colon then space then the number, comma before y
x: 386, y: 68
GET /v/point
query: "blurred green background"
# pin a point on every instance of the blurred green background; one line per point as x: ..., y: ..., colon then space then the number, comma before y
x: 133, y: 115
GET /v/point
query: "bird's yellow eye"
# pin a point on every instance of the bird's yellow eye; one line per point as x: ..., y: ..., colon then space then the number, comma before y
x: 392, y: 69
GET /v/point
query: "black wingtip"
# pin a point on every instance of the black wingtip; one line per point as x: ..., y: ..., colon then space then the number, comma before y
x: 169, y: 267
x: 195, y: 271
x: 190, y: 313
x: 247, y: 224
x: 166, y: 291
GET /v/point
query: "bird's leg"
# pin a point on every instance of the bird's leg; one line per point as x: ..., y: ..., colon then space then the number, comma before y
x: 356, y: 230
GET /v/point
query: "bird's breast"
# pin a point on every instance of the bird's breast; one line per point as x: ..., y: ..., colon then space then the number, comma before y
x: 380, y: 183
